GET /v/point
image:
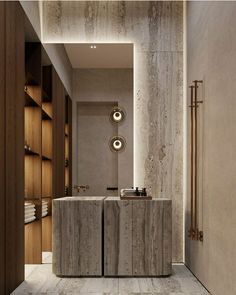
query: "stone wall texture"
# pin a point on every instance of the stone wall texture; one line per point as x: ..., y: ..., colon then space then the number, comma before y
x: 156, y: 29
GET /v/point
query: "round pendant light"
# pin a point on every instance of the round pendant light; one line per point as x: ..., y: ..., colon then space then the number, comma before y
x: 117, y: 143
x: 117, y: 114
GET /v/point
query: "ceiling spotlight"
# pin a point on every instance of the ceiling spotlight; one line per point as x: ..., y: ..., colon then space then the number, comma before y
x: 93, y: 46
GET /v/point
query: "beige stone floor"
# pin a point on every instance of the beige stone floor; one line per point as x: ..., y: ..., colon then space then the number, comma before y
x: 40, y: 280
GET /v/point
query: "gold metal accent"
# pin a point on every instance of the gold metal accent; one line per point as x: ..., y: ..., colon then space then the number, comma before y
x: 193, y: 232
x: 117, y: 114
x: 81, y: 187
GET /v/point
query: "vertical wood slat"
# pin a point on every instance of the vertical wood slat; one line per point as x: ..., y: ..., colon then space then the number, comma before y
x: 2, y: 147
x: 58, y: 99
x: 14, y: 153
x: 70, y: 143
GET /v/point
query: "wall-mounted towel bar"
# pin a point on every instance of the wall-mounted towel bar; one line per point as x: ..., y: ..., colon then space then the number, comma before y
x: 194, y: 232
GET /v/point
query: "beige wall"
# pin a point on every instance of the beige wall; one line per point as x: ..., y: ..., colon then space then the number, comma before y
x: 211, y: 56
x: 156, y: 29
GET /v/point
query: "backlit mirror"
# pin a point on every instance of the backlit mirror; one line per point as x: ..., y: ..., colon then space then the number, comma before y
x: 103, y: 117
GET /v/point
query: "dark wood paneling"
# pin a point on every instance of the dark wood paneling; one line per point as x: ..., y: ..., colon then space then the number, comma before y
x: 14, y: 153
x: 70, y: 144
x: 58, y: 99
x: 2, y: 147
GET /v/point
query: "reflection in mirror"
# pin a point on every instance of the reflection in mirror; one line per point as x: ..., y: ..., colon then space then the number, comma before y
x: 117, y: 115
x: 103, y: 116
x: 117, y: 143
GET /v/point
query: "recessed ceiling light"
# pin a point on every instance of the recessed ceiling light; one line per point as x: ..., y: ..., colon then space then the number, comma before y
x: 93, y: 46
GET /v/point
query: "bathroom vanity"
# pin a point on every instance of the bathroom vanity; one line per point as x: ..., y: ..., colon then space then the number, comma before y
x: 95, y: 236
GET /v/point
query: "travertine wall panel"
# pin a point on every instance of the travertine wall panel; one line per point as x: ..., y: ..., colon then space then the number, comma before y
x: 156, y: 29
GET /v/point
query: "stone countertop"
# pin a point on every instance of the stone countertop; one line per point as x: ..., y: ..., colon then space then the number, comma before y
x: 119, y: 199
x: 79, y: 198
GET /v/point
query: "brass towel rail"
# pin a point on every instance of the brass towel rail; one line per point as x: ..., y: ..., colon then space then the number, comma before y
x: 194, y: 232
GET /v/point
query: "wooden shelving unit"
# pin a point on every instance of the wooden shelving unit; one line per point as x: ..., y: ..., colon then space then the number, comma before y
x: 68, y: 168
x: 47, y: 156
x: 38, y: 151
x: 44, y: 110
x: 33, y: 149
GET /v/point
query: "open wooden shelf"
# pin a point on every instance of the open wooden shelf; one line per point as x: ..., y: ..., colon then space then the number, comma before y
x: 47, y: 108
x: 67, y: 142
x: 44, y: 158
x: 45, y: 115
x: 29, y: 101
x: 33, y: 95
x: 31, y: 153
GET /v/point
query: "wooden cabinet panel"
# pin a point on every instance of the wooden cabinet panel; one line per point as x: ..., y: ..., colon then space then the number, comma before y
x: 2, y: 147
x: 46, y: 179
x: 33, y: 128
x: 70, y: 145
x: 58, y: 95
x: 33, y: 177
x: 14, y: 153
x: 47, y: 138
x: 33, y: 242
x: 47, y: 233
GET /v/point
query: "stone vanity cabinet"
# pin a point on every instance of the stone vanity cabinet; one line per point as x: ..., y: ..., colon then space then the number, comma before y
x: 77, y: 236
x: 137, y: 237
x: 95, y: 236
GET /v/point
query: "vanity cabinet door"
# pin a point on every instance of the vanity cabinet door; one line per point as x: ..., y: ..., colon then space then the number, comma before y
x: 77, y: 237
x: 151, y: 238
x: 118, y: 238
x: 137, y: 237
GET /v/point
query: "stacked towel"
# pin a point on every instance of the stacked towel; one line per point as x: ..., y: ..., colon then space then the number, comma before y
x: 44, y: 208
x: 29, y: 212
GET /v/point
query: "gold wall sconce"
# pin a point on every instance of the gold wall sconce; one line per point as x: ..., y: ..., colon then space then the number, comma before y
x: 117, y: 114
x: 117, y: 143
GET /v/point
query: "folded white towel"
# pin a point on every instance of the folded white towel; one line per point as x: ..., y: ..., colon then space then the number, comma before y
x: 45, y: 206
x: 44, y: 214
x: 28, y: 203
x: 29, y: 210
x: 30, y: 214
x: 30, y: 206
x: 27, y: 220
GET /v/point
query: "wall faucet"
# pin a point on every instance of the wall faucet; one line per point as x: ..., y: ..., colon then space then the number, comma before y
x: 81, y: 187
